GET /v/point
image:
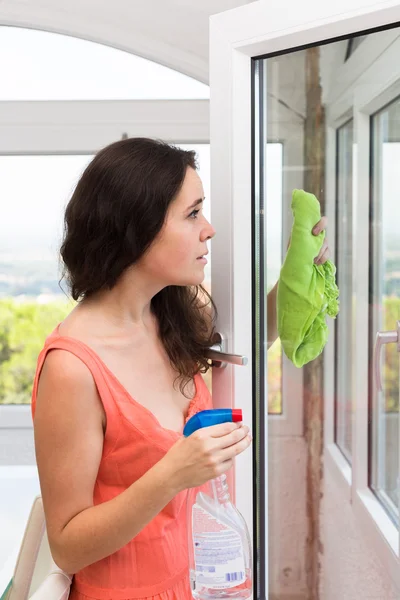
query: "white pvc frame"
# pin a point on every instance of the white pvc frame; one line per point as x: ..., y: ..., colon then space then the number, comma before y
x: 237, y: 36
x: 84, y: 126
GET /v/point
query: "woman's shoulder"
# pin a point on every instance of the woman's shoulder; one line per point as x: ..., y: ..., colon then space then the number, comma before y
x: 65, y: 377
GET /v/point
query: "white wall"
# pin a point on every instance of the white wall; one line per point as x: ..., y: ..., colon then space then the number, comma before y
x: 17, y: 446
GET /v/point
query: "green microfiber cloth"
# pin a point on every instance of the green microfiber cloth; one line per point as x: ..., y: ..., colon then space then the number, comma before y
x: 306, y: 291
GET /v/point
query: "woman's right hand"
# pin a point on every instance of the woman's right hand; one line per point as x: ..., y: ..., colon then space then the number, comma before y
x: 206, y: 453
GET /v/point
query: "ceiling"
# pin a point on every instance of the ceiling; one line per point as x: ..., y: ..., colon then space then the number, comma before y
x: 171, y: 32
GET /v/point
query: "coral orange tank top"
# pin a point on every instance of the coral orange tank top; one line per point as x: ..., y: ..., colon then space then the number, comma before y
x: 154, y: 564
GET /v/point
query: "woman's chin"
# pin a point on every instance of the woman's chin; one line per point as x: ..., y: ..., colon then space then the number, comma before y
x: 193, y: 280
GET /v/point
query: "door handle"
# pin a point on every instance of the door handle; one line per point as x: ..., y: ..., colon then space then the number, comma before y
x: 384, y: 337
x: 220, y: 358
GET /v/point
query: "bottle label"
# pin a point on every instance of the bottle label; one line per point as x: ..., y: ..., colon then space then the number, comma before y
x: 218, y: 551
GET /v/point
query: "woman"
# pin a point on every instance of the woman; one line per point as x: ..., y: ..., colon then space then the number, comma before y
x: 119, y: 377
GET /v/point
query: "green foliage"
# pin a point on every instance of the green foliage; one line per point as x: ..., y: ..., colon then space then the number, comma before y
x: 390, y: 365
x: 23, y: 330
x: 274, y: 359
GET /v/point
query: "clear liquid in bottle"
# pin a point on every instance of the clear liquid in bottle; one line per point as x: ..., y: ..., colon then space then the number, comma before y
x: 219, y: 544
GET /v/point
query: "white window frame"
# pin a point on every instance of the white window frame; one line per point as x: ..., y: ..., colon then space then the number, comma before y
x: 332, y: 451
x: 375, y: 84
x: 83, y: 127
x: 75, y: 127
x: 332, y: 151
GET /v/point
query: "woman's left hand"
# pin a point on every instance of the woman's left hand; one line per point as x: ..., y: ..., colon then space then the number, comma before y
x: 324, y: 253
x: 322, y: 257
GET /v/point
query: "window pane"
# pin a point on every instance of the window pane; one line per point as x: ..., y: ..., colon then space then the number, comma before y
x: 36, y: 189
x: 48, y: 66
x: 385, y: 302
x: 274, y: 157
x: 343, y: 407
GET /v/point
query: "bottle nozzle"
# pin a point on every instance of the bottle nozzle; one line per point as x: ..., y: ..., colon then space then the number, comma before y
x: 212, y: 416
x: 237, y: 415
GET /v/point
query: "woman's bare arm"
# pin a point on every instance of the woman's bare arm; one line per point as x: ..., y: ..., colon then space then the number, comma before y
x: 69, y: 442
x: 272, y: 325
x: 323, y: 256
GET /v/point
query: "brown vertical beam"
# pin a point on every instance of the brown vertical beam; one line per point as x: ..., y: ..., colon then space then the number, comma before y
x: 314, y: 182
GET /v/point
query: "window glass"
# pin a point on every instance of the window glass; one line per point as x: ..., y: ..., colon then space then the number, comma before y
x: 37, y: 189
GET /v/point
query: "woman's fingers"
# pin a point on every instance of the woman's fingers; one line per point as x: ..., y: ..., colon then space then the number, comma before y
x: 323, y: 255
x: 217, y: 431
x: 320, y: 226
x: 229, y: 453
x: 232, y: 438
x: 226, y: 441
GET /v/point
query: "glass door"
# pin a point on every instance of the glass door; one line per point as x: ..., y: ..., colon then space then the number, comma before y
x: 313, y: 84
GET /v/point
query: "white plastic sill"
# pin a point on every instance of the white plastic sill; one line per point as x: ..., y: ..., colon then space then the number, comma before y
x: 15, y: 416
x: 381, y: 533
x: 382, y: 525
x: 339, y: 468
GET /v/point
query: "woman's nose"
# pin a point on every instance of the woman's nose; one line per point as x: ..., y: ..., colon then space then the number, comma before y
x: 208, y: 232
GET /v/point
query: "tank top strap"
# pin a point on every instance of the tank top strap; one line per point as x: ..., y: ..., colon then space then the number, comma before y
x: 100, y: 377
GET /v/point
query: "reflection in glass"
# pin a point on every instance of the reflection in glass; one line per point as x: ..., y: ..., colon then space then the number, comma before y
x: 385, y: 302
x: 274, y: 158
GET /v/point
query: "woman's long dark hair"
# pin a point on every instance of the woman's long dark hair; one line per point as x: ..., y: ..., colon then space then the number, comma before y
x: 117, y: 209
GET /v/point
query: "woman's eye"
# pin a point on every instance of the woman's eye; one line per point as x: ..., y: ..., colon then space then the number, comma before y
x: 194, y: 213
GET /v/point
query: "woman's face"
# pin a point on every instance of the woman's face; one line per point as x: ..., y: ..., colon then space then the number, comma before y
x: 176, y: 255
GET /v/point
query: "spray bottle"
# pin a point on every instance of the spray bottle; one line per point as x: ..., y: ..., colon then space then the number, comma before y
x: 218, y: 538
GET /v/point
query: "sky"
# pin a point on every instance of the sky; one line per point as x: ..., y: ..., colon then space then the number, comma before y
x: 48, y: 66
x: 35, y: 191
